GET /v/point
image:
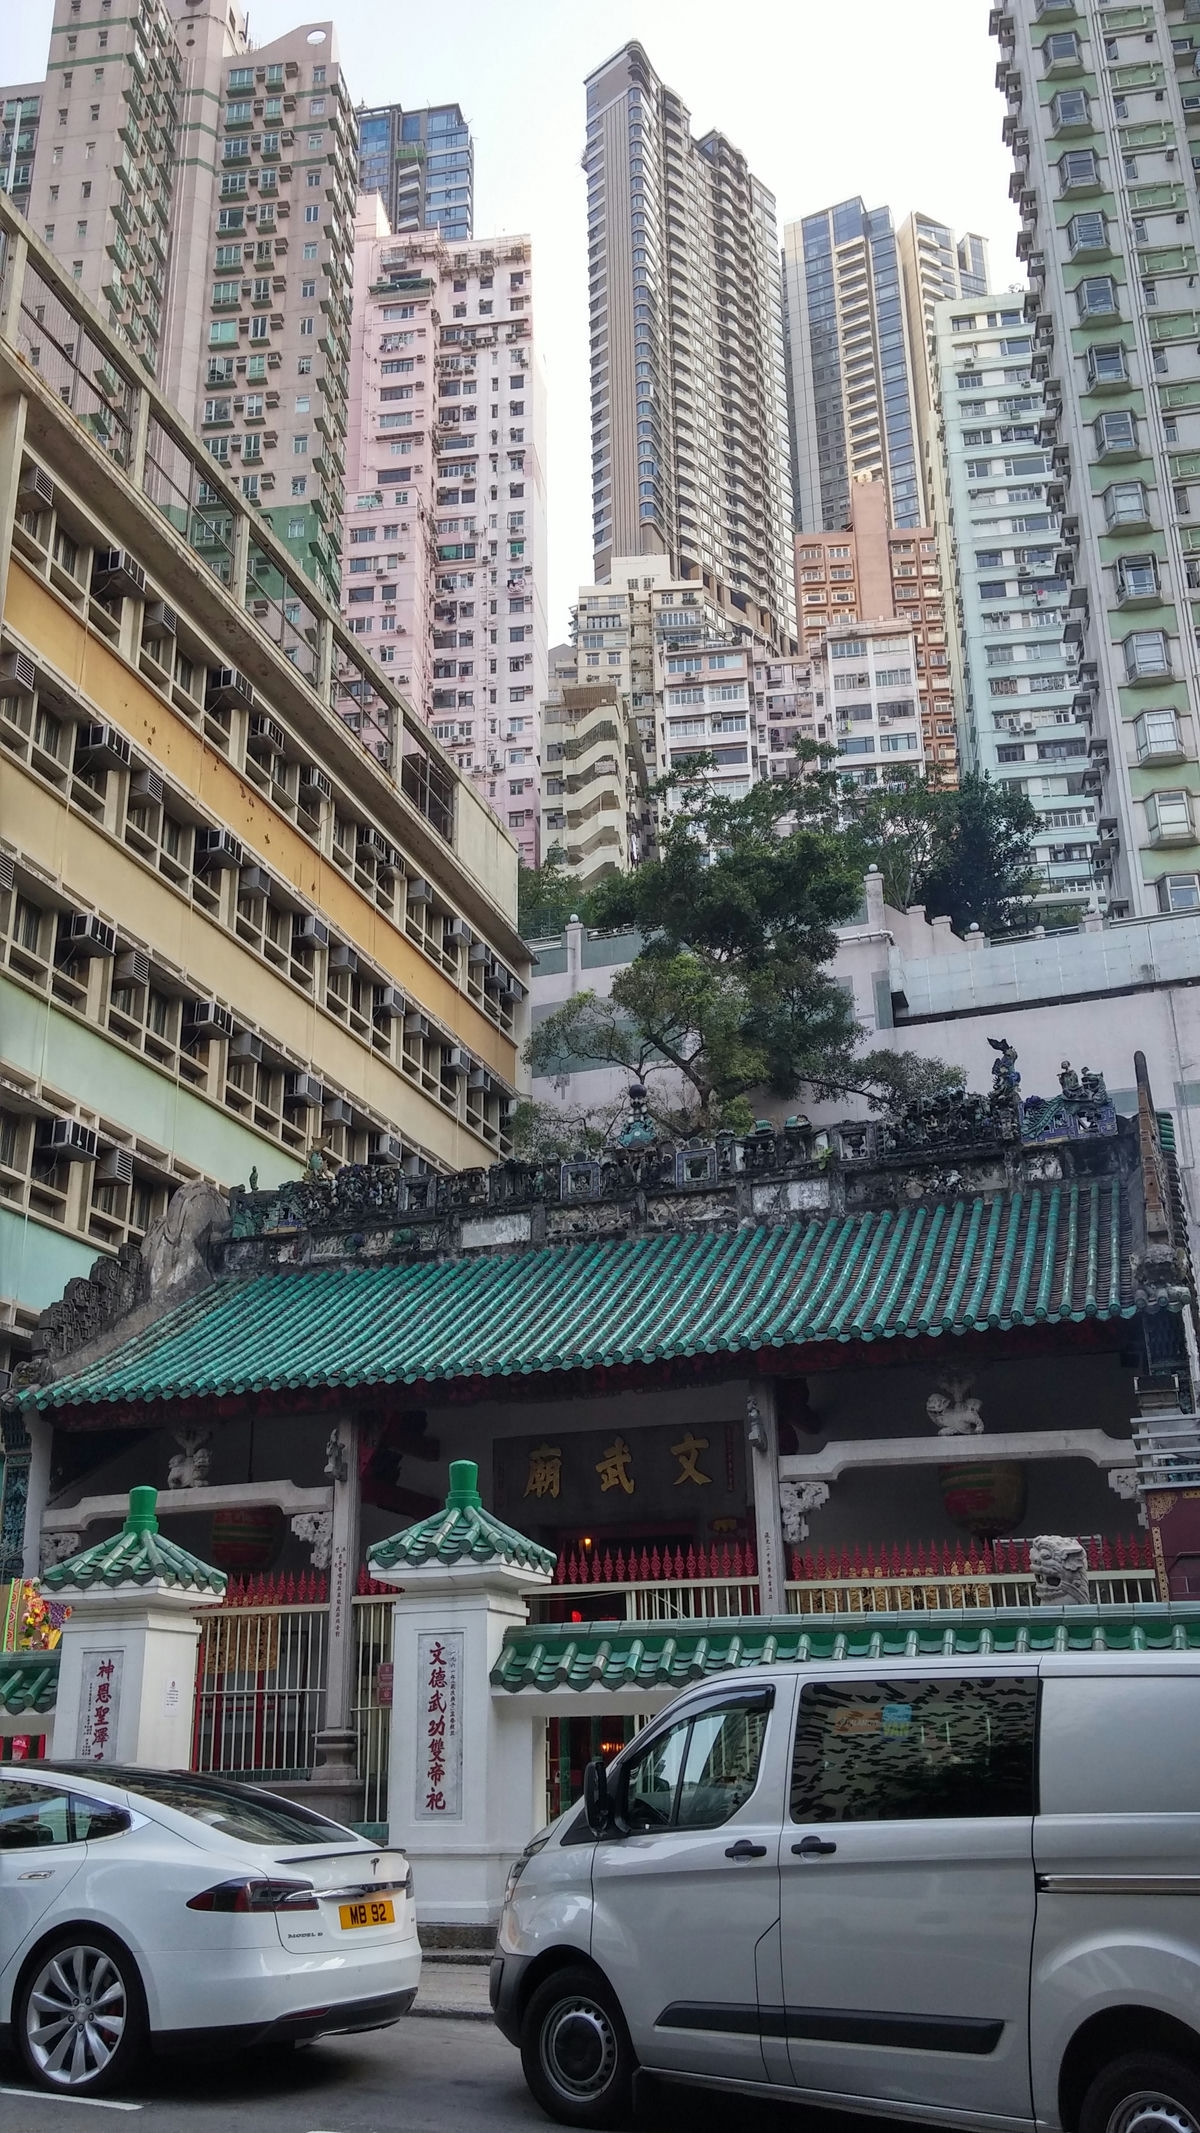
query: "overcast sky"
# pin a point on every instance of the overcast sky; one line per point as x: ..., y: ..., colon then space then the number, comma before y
x: 894, y: 99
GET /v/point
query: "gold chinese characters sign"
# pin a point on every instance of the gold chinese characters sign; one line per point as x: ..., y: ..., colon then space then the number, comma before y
x: 622, y: 1474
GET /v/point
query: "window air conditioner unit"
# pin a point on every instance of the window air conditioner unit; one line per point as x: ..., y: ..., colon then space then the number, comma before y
x: 66, y: 1140
x: 455, y: 1060
x: 304, y: 1089
x: 36, y: 489
x: 419, y: 892
x: 480, y: 956
x: 102, y: 744
x: 116, y: 575
x: 18, y: 676
x: 458, y: 930
x: 390, y: 1004
x: 227, y: 689
x: 81, y: 933
x: 479, y: 1079
x: 245, y: 1045
x: 206, y: 1018
x: 132, y: 968
x: 265, y: 736
x: 337, y: 1112
x: 343, y: 957
x: 315, y: 781
x: 385, y: 1148
x: 309, y: 931
x: 254, y: 881
x: 115, y: 1167
x: 416, y: 1025
x: 146, y: 785
x: 217, y: 848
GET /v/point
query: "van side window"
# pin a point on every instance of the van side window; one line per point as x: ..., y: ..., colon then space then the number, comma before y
x: 696, y: 1775
x: 1112, y: 1745
x: 907, y: 1751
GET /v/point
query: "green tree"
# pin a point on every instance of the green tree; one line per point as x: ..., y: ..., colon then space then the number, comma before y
x: 966, y: 855
x: 547, y: 896
x: 730, y: 993
x: 983, y: 870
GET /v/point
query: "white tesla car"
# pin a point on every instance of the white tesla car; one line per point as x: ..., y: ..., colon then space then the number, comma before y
x: 146, y: 1907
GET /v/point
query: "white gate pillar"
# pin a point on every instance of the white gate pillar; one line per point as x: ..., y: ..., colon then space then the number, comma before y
x: 127, y: 1656
x: 464, y: 1786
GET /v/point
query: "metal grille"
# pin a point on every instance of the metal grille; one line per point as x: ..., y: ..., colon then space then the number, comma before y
x: 372, y: 1719
x: 260, y: 1691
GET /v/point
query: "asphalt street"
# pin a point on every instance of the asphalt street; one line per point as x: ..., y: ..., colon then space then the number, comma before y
x: 423, y: 2076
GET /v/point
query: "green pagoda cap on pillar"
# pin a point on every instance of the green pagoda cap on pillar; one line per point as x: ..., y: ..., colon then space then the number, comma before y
x: 138, y: 1555
x: 464, y: 1486
x: 462, y: 1532
x: 143, y: 1511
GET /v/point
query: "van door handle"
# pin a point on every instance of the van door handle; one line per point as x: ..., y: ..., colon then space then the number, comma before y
x: 813, y: 1848
x: 743, y: 1849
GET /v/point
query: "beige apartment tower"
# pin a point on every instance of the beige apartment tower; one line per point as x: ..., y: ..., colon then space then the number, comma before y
x: 689, y: 422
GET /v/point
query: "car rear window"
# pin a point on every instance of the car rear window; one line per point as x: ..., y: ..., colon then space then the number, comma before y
x: 235, y: 1811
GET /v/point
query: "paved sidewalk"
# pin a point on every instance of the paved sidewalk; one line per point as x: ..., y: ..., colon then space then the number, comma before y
x: 459, y: 1990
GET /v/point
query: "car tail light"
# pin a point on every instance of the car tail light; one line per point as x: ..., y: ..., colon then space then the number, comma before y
x: 250, y: 1894
x: 408, y: 1884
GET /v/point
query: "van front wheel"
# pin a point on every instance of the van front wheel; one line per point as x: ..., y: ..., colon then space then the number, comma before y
x: 1148, y: 2092
x: 576, y: 2053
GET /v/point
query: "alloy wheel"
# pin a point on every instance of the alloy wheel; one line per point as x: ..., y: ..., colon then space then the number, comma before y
x: 76, y: 2015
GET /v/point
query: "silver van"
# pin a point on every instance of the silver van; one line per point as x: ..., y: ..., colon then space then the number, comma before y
x: 956, y: 1891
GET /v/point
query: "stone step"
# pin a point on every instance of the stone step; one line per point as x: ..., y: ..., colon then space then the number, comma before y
x: 468, y: 1958
x: 478, y: 1939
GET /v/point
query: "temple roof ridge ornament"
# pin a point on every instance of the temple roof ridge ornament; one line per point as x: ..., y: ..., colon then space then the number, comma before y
x: 137, y: 1556
x: 462, y: 1532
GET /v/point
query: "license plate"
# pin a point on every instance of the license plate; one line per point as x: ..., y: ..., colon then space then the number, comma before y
x: 378, y: 1912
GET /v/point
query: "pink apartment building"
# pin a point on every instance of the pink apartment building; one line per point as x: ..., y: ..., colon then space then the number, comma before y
x: 444, y: 544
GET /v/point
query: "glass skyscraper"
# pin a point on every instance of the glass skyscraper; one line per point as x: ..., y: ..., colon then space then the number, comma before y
x: 423, y: 163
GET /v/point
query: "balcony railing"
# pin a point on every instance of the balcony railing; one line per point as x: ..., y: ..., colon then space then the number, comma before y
x: 1168, y: 1452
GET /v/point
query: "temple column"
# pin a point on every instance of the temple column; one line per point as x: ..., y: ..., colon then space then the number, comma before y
x: 335, y: 1788
x: 40, y: 1429
x: 762, y: 1436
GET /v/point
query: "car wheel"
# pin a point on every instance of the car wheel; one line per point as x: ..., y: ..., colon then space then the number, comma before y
x: 1147, y: 2092
x: 576, y: 2052
x: 81, y: 2014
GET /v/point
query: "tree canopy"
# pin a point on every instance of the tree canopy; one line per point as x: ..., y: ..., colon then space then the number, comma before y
x: 966, y: 855
x: 730, y: 993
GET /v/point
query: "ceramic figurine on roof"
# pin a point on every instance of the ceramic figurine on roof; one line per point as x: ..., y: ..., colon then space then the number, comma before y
x: 1005, y: 1078
x: 639, y: 1130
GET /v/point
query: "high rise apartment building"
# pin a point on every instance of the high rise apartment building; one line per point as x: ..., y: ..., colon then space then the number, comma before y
x: 865, y: 676
x: 935, y: 266
x: 689, y: 422
x: 444, y: 565
x: 202, y: 193
x: 1104, y: 123
x: 874, y: 572
x: 1013, y: 668
x: 422, y: 163
x: 856, y: 301
x: 231, y: 931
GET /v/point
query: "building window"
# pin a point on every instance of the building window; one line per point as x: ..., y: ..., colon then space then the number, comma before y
x: 1096, y: 297
x: 1108, y: 365
x: 1169, y: 817
x: 1158, y: 737
x: 1116, y: 434
x: 1137, y: 577
x: 1179, y: 892
x: 1079, y: 171
x: 1127, y: 503
x: 1147, y: 655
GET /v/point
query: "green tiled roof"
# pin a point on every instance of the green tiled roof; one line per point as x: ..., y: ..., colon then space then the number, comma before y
x: 462, y: 1532
x: 642, y: 1655
x: 138, y: 1555
x: 1049, y: 1254
x: 28, y: 1682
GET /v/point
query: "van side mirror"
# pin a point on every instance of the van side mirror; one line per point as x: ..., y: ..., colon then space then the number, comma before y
x: 596, y: 1811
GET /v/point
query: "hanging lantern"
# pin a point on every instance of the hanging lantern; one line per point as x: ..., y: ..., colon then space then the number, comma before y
x: 247, y: 1541
x: 986, y: 1498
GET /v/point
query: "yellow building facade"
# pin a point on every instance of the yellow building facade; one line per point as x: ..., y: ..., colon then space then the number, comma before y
x: 249, y: 909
